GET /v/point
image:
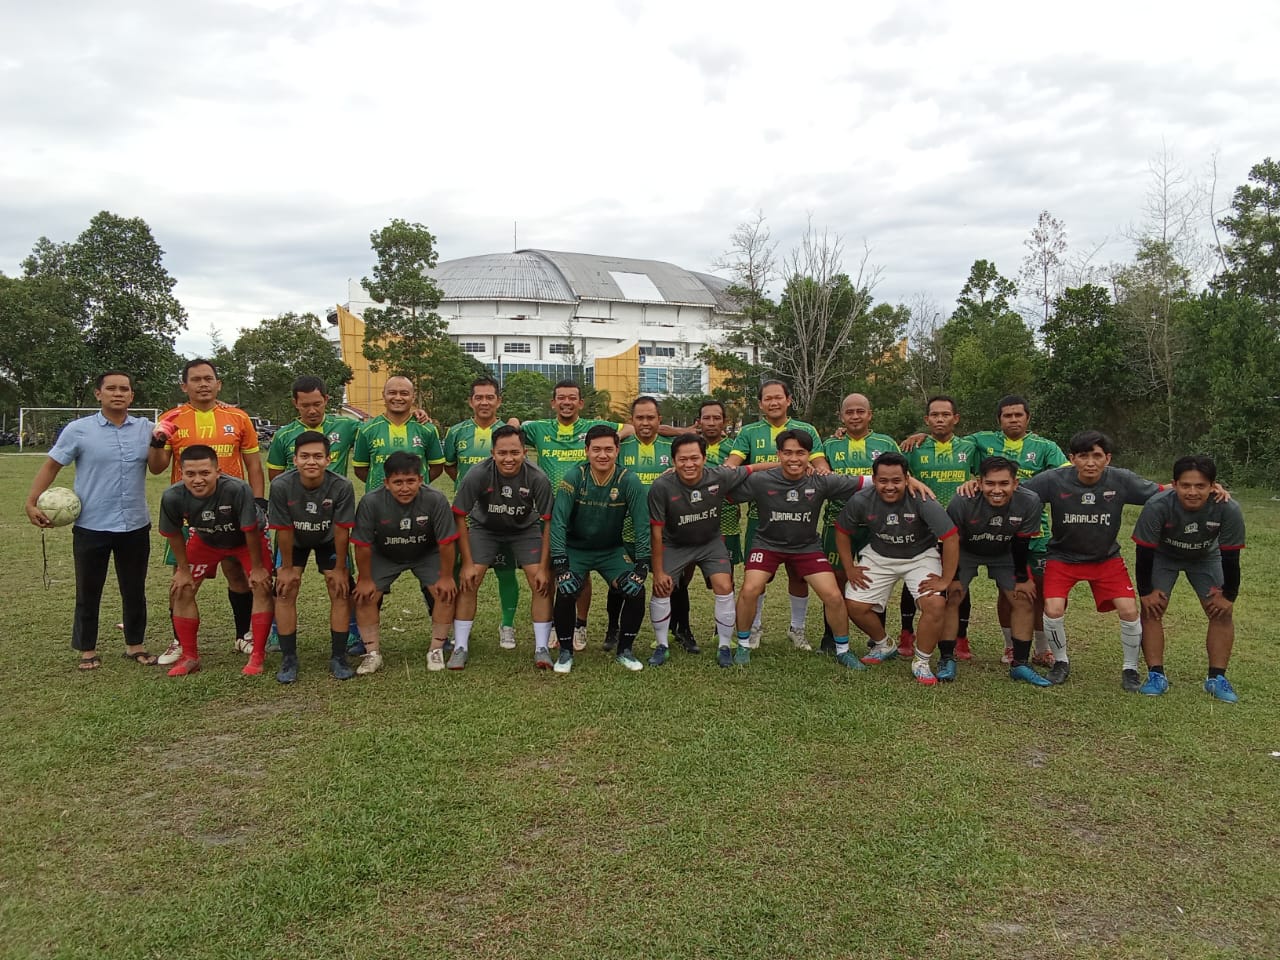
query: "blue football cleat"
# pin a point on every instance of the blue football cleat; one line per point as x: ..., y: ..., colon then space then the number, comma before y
x: 1026, y: 674
x: 1156, y: 684
x: 946, y: 671
x: 1220, y: 689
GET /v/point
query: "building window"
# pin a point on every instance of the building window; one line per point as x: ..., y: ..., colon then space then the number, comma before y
x: 654, y: 380
x: 561, y: 348
x: 472, y: 346
x: 687, y: 381
x: 657, y: 351
x: 516, y: 348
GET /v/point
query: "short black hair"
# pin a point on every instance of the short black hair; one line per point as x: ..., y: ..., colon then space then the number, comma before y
x: 102, y: 378
x: 1196, y: 461
x: 684, y: 440
x: 1012, y: 400
x: 773, y: 383
x: 891, y: 458
x: 198, y: 451
x: 996, y: 464
x: 601, y: 430
x: 310, y: 436
x: 484, y: 382
x: 199, y: 362
x: 942, y: 398
x: 309, y: 384
x: 506, y: 430
x: 799, y: 436
x: 1086, y: 440
x: 402, y: 462
x: 567, y: 385
x: 644, y: 398
x: 713, y: 403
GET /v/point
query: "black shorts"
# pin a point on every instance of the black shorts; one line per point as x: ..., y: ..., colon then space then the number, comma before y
x: 326, y: 556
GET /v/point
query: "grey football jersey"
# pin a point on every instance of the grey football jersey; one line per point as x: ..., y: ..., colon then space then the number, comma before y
x: 690, y: 515
x: 1189, y: 534
x: 988, y: 531
x: 1085, y: 520
x: 504, y: 504
x: 311, y: 514
x: 789, y: 509
x: 898, y: 531
x: 400, y: 532
x: 220, y: 519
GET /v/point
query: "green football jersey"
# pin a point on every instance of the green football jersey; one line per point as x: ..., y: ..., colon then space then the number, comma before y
x: 467, y: 444
x: 730, y: 513
x: 341, y: 432
x: 944, y: 467
x: 853, y: 458
x: 559, y: 447
x: 379, y: 438
x: 758, y: 443
x: 1033, y: 454
x: 587, y: 516
x: 648, y: 462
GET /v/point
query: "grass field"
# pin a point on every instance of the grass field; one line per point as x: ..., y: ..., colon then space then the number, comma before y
x: 788, y: 809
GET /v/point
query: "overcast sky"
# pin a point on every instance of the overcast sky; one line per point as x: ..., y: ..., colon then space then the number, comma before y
x: 264, y: 141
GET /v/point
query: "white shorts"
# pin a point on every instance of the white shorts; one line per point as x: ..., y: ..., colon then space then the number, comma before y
x: 885, y: 572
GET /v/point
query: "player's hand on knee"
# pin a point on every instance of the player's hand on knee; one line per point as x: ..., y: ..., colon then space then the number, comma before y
x: 933, y: 584
x: 1025, y: 592
x: 444, y: 589
x: 337, y: 583
x: 287, y: 582
x: 1218, y: 607
x: 1155, y: 603
x: 857, y: 575
x: 663, y: 585
x: 183, y: 583
x: 540, y: 581
x: 631, y: 583
x: 470, y: 577
x: 568, y: 583
x: 366, y: 591
x: 260, y: 579
x: 955, y: 593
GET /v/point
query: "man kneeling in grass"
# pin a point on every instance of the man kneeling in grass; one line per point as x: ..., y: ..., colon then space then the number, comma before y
x: 996, y: 527
x: 403, y: 526
x: 312, y: 510
x: 503, y: 508
x: 1184, y: 530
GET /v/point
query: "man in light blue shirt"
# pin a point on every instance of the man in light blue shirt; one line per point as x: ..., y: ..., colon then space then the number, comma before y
x: 112, y: 452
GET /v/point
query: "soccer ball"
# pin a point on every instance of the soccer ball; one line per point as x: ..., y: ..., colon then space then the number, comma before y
x: 60, y: 505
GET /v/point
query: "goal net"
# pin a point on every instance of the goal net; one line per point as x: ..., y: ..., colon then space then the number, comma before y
x: 38, y: 427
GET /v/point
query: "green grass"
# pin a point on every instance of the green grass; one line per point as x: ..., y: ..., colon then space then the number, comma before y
x: 784, y: 810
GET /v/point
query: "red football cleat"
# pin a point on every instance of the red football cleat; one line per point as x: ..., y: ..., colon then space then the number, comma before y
x: 184, y: 667
x: 962, y: 649
x: 906, y: 644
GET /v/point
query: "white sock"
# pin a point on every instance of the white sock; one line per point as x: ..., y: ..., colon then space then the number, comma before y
x: 1008, y: 636
x: 842, y: 648
x: 660, y: 614
x: 1131, y: 638
x: 1041, y: 642
x: 541, y: 635
x: 462, y: 633
x: 725, y: 619
x: 799, y: 611
x: 755, y: 624
x: 1055, y: 632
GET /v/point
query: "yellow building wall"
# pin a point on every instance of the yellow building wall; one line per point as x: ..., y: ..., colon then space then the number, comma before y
x: 365, y: 389
x: 620, y: 375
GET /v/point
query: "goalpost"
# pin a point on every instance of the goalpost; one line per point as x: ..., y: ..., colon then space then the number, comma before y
x: 40, y: 426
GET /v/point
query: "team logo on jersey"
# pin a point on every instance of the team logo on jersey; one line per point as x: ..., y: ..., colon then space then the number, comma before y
x: 506, y: 492
x: 613, y: 493
x: 1013, y: 519
x: 406, y: 523
x: 206, y: 515
x: 421, y: 521
x: 891, y: 519
x: 225, y: 509
x: 335, y: 437
x: 1108, y: 495
x: 962, y: 457
x: 327, y: 503
x: 1088, y: 499
x: 664, y: 461
x: 311, y: 507
x: 998, y: 522
x: 695, y: 496
x: 714, y: 488
x: 524, y: 491
x: 1211, y: 525
x: 1192, y: 528
x: 810, y: 493
x: 793, y: 496
x: 908, y: 518
x: 417, y: 441
x: 1031, y: 457
x: 875, y: 454
x: 229, y: 429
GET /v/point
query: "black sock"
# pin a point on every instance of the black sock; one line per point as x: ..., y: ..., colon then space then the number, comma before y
x: 631, y: 616
x: 1217, y: 672
x: 242, y: 611
x: 907, y: 608
x: 431, y: 601
x: 680, y: 609
x: 578, y: 622
x: 966, y: 608
x: 1155, y: 668
x: 563, y: 614
x: 337, y: 643
x: 1021, y: 651
x: 946, y: 649
x: 614, y: 607
x: 884, y: 622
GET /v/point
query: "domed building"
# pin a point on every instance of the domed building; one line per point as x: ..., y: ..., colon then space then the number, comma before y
x: 633, y: 326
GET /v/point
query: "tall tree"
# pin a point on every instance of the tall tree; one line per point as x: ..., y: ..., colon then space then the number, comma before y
x: 1042, y: 266
x: 258, y: 370
x: 1252, y: 252
x: 44, y: 361
x: 752, y: 265
x: 526, y: 395
x: 126, y: 310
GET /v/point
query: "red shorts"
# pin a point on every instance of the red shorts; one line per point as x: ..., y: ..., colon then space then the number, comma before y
x: 1108, y: 580
x: 797, y: 564
x: 204, y: 559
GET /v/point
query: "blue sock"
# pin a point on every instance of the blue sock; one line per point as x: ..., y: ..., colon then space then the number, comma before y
x: 743, y: 637
x: 842, y: 644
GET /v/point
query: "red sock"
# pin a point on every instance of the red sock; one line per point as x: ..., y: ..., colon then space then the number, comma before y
x: 260, y: 623
x: 187, y: 628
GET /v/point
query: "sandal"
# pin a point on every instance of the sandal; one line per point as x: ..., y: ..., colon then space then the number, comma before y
x: 89, y: 663
x: 142, y: 657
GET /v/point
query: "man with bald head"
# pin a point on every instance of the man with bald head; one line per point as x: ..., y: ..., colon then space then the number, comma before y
x: 854, y: 455
x: 396, y: 429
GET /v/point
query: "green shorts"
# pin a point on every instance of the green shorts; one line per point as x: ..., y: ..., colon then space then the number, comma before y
x: 610, y: 562
x: 733, y: 543
x: 1038, y: 559
x: 833, y: 555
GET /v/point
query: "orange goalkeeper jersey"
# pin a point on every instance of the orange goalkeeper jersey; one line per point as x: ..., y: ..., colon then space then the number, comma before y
x: 227, y: 429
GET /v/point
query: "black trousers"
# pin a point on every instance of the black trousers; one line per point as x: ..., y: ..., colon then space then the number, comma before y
x: 93, y: 550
